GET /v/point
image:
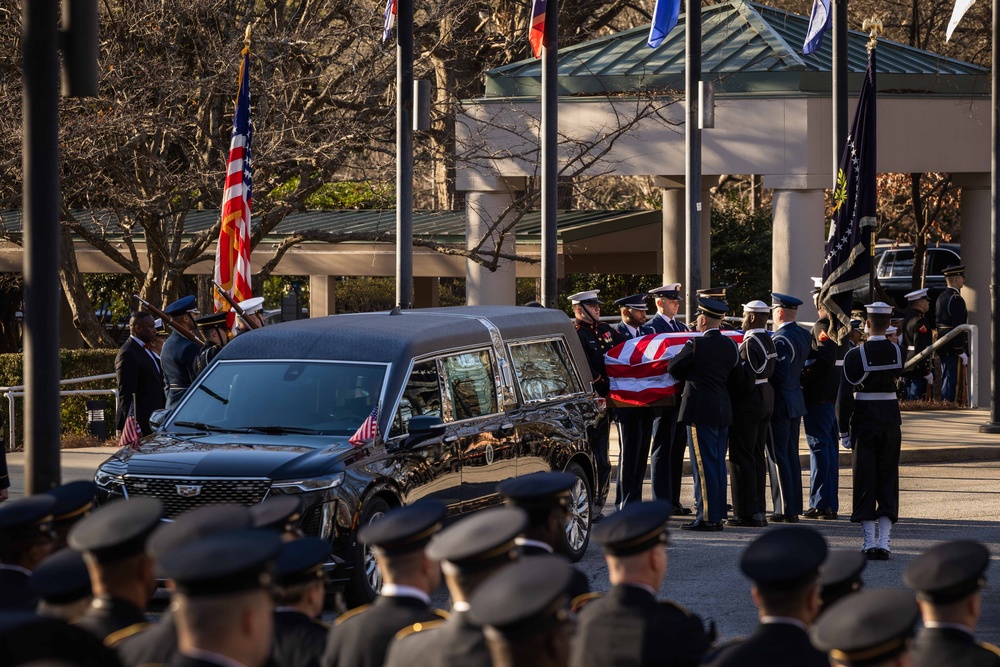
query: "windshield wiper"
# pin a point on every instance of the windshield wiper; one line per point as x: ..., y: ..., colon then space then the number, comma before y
x: 209, y: 427
x: 277, y: 430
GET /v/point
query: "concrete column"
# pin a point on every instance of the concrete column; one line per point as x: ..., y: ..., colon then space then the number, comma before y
x: 706, y: 238
x: 322, y: 296
x: 482, y: 286
x: 425, y: 293
x: 674, y: 235
x: 797, y: 244
x: 974, y: 209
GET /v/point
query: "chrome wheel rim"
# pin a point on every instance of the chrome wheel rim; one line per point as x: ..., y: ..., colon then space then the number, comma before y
x: 372, y: 571
x: 578, y: 523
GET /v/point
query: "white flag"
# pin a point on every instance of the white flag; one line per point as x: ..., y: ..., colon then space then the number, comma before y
x: 961, y: 6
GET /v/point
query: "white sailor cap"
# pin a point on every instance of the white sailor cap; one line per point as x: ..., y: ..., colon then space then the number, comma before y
x: 917, y: 294
x: 252, y: 305
x: 878, y: 308
x: 891, y: 330
x: 158, y: 323
x: 756, y: 306
x: 590, y: 296
x: 668, y: 291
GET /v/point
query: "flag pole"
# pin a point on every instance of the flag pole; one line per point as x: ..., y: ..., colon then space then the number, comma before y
x: 404, y: 154
x: 874, y: 27
x: 993, y: 426
x: 692, y: 140
x: 550, y: 163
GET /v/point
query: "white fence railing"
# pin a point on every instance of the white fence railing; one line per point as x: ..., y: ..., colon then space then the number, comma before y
x: 12, y: 393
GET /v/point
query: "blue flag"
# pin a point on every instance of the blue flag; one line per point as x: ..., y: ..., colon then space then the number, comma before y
x: 847, y: 263
x: 819, y: 23
x: 665, y: 15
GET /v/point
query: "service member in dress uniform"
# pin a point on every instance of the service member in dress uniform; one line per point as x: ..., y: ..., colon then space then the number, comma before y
x: 792, y: 344
x: 597, y: 339
x: 281, y: 514
x: 669, y: 440
x: 719, y: 294
x: 26, y: 539
x: 213, y: 329
x: 868, y: 629
x: 28, y: 639
x: 298, y: 588
x: 840, y: 576
x: 752, y: 408
x: 820, y: 386
x: 62, y: 583
x: 253, y: 310
x: 469, y: 551
x: 361, y: 637
x: 705, y: 364
x: 522, y: 609
x: 950, y: 311
x: 868, y: 415
x: 784, y: 567
x: 224, y: 614
x: 179, y: 355
x: 948, y: 579
x: 74, y: 501
x: 917, y: 338
x: 629, y: 625
x: 113, y: 542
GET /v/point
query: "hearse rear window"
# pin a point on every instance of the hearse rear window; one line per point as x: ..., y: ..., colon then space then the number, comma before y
x: 543, y: 370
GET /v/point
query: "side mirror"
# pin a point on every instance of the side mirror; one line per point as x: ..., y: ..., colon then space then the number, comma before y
x: 423, y: 427
x: 157, y: 418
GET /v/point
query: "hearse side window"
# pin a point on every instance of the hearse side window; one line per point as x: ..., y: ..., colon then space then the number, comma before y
x: 470, y: 385
x: 543, y: 370
x: 422, y: 396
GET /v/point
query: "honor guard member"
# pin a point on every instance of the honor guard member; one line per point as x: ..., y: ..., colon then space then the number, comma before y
x: 62, y: 584
x: 719, y: 294
x: 213, y: 329
x: 950, y: 311
x: 179, y: 354
x: 669, y: 440
x: 74, y: 501
x: 28, y: 639
x: 784, y: 566
x: 469, y: 551
x: 868, y: 415
x: 629, y: 625
x: 705, y: 364
x: 281, y: 514
x: 840, y: 576
x: 869, y: 629
x: 792, y: 343
x: 253, y: 310
x: 298, y: 588
x: 597, y: 339
x: 948, y: 579
x: 820, y: 386
x: 547, y: 498
x: 522, y: 609
x: 26, y: 539
x: 360, y: 638
x: 917, y: 338
x: 752, y: 408
x: 113, y: 542
x: 224, y: 613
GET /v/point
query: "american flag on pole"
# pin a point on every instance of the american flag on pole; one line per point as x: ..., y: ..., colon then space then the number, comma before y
x: 391, y: 10
x: 536, y: 36
x: 130, y: 431
x: 368, y: 430
x: 232, y: 257
x: 637, y: 368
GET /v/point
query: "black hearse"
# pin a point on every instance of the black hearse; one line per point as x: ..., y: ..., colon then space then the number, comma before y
x: 465, y: 397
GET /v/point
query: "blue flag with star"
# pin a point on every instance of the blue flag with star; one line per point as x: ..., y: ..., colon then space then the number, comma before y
x: 847, y: 262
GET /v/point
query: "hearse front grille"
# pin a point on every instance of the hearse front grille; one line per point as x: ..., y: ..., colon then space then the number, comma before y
x: 180, y: 494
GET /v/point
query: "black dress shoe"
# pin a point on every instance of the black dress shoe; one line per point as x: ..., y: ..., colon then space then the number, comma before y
x: 702, y: 526
x: 747, y: 522
x: 813, y: 513
x: 680, y: 510
x: 881, y: 554
x: 871, y: 554
x: 777, y: 518
x: 791, y: 518
x: 829, y: 515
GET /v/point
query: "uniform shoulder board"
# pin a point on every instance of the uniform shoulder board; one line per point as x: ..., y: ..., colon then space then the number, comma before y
x: 351, y: 613
x: 418, y: 627
x: 112, y: 639
x: 441, y: 613
x: 581, y: 601
x: 316, y: 621
x: 990, y: 647
x: 678, y: 607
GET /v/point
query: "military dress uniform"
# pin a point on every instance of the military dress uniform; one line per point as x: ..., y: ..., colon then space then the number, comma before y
x: 299, y: 639
x: 27, y: 521
x: 179, y: 355
x: 820, y: 386
x: 917, y: 338
x: 950, y: 311
x: 868, y: 628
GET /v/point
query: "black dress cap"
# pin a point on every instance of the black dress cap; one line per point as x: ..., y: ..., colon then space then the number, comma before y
x: 785, y: 301
x: 300, y: 561
x: 222, y: 564
x: 73, y: 499
x: 948, y: 572
x: 712, y: 307
x: 636, y: 528
x: 61, y: 578
x: 405, y: 529
x: 785, y: 558
x: 867, y: 628
x: 117, y: 530
x: 183, y: 305
x: 195, y: 524
x: 840, y: 575
x: 524, y: 598
x: 954, y: 270
x: 211, y: 321
x: 480, y: 541
x: 26, y: 517
x: 636, y: 301
x: 539, y: 490
x: 280, y: 513
x: 713, y: 292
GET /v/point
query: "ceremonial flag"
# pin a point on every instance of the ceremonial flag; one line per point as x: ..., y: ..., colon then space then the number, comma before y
x: 130, y: 431
x: 819, y: 23
x: 368, y: 430
x: 232, y: 257
x: 847, y: 263
x: 665, y: 13
x: 536, y: 36
x: 961, y: 6
x: 637, y: 368
x: 391, y: 10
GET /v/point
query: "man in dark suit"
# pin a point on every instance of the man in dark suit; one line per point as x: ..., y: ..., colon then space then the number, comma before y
x: 792, y: 343
x: 950, y: 312
x: 299, y: 590
x: 635, y: 423
x: 138, y: 373
x: 179, y: 354
x: 705, y: 365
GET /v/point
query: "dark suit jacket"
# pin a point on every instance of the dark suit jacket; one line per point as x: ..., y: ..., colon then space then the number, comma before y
x: 452, y: 643
x: 936, y: 647
x: 793, y: 344
x: 361, y: 637
x: 705, y: 364
x: 299, y: 641
x: 622, y: 328
x: 772, y: 645
x: 658, y: 323
x: 139, y: 376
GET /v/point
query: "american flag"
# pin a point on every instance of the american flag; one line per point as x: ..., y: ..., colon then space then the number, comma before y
x: 368, y: 430
x: 537, y: 34
x: 130, y: 431
x: 232, y: 258
x: 637, y: 368
x: 390, y: 18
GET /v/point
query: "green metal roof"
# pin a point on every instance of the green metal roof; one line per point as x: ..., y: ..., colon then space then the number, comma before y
x: 747, y: 48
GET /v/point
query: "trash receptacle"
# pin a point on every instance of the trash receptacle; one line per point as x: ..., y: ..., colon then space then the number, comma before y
x: 96, y: 425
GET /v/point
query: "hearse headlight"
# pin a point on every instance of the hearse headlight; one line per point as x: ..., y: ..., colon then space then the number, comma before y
x: 106, y: 480
x: 309, y: 485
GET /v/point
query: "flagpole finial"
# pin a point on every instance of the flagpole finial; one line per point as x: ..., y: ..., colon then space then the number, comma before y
x: 874, y: 28
x: 246, y: 37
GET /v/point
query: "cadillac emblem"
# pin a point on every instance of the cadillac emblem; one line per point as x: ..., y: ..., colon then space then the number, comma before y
x: 188, y: 490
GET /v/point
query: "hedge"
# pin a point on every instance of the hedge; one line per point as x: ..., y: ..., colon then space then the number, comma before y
x: 73, y: 409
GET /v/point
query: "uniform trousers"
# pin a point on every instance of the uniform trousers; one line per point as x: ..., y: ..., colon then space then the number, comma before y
x: 708, y: 463
x: 949, y: 377
x: 599, y: 447
x: 823, y: 437
x: 916, y: 388
x: 635, y: 427
x: 876, y: 474
x: 666, y: 460
x: 783, y: 463
x: 747, y: 440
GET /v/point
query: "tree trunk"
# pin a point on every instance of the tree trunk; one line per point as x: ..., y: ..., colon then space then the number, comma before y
x: 84, y: 319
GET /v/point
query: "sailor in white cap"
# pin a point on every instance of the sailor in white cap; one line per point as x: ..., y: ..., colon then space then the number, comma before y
x: 868, y: 415
x: 917, y: 338
x: 252, y: 311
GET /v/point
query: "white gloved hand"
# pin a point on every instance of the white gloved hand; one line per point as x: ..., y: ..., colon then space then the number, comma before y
x: 929, y: 378
x: 965, y: 359
x: 845, y: 441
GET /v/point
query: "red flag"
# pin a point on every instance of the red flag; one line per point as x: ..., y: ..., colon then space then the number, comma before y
x: 368, y: 430
x: 537, y: 33
x: 130, y: 431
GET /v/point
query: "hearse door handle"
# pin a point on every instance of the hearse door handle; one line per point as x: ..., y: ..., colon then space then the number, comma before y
x: 451, y: 438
